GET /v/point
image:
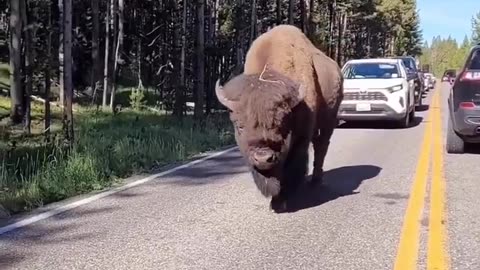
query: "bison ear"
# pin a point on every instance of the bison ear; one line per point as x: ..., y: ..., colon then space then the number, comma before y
x: 301, y: 93
x: 230, y: 104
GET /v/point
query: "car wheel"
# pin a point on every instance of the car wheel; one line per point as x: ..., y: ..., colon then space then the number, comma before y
x: 412, y: 114
x: 455, y: 144
x: 405, y: 121
x: 420, y: 99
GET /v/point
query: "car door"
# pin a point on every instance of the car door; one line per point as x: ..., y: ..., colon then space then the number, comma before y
x: 410, y: 78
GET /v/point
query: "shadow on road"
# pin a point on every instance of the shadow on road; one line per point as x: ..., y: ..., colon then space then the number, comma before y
x: 422, y: 108
x: 472, y: 149
x: 9, y: 260
x: 14, y: 244
x: 339, y: 182
x: 214, y: 170
x: 378, y: 124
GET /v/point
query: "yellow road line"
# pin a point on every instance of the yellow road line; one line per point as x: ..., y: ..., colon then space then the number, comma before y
x: 407, y: 253
x: 437, y: 254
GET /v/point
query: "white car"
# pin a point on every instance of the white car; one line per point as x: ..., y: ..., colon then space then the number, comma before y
x: 377, y: 89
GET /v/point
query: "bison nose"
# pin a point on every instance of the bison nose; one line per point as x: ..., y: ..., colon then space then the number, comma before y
x: 263, y: 159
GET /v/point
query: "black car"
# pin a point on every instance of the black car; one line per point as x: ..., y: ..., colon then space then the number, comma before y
x: 449, y: 75
x: 464, y: 105
x: 415, y: 74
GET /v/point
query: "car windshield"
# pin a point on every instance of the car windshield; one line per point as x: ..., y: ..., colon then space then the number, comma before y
x: 474, y: 62
x: 409, y: 63
x: 371, y: 71
x: 450, y: 73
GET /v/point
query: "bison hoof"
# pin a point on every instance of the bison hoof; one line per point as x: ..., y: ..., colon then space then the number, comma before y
x: 278, y: 205
x: 316, y: 180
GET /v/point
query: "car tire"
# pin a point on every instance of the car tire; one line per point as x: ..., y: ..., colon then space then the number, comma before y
x: 405, y: 121
x: 412, y: 114
x: 419, y: 104
x: 455, y: 144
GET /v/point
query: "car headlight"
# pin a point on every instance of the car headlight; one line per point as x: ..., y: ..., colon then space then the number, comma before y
x: 395, y: 88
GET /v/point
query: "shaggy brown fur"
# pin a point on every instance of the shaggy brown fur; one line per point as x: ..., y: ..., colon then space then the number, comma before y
x: 287, y: 97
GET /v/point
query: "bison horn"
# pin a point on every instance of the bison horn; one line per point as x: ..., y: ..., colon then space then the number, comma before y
x: 230, y: 104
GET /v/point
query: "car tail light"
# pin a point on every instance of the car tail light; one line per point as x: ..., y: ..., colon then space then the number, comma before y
x: 467, y: 105
x: 470, y: 76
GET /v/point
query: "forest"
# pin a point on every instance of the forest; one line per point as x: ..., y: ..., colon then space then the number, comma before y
x: 447, y: 53
x: 93, y: 91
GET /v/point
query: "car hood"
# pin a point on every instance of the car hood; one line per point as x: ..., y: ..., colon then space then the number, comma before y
x: 371, y: 83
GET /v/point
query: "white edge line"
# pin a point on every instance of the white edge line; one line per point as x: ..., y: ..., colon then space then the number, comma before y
x: 64, y: 208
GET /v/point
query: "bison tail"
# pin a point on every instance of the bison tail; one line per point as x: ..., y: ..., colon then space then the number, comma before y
x: 268, y: 186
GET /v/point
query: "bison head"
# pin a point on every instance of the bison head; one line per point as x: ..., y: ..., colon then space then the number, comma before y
x: 261, y: 112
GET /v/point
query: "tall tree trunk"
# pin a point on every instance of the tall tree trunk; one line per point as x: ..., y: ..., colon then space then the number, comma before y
x: 332, y: 12
x: 47, y: 76
x: 291, y: 12
x: 106, y: 67
x: 139, y: 50
x: 304, y: 15
x: 177, y: 108
x: 279, y: 12
x: 198, y: 112
x: 392, y: 45
x: 61, y: 56
x: 179, y: 92
x: 120, y: 10
x: 67, y: 75
x: 95, y: 47
x: 28, y: 26
x: 253, y: 27
x: 340, y: 20
x: 311, y: 28
x: 217, y: 10
x: 183, y: 54
x: 16, y: 87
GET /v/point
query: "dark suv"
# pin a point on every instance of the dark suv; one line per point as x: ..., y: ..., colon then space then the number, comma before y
x: 449, y: 75
x: 414, y: 74
x: 464, y: 105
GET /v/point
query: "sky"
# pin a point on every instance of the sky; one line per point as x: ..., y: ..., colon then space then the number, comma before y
x: 447, y: 17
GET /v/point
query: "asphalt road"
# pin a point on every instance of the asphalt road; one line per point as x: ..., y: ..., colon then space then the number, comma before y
x: 211, y: 216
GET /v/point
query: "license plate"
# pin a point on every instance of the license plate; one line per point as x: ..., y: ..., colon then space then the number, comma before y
x: 363, y: 107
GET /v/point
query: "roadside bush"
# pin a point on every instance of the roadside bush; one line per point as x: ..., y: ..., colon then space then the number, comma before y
x: 107, y: 147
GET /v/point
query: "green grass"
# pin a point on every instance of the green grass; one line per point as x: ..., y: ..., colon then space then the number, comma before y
x: 4, y: 76
x: 107, y: 148
x: 4, y: 86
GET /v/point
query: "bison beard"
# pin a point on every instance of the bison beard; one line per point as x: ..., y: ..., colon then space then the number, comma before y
x: 268, y: 185
x: 281, y: 183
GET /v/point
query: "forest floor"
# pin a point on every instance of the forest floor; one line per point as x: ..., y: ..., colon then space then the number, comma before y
x: 107, y: 149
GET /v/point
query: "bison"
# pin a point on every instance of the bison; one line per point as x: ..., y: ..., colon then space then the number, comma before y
x: 287, y: 96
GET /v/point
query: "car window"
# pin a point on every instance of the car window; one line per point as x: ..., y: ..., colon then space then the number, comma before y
x: 371, y: 71
x: 474, y: 62
x: 471, y: 71
x: 409, y: 63
x: 450, y: 73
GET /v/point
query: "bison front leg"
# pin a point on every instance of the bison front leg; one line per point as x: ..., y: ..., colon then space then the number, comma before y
x: 321, y: 144
x: 294, y: 171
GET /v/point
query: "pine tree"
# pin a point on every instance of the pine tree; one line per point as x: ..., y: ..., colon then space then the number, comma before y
x: 476, y: 28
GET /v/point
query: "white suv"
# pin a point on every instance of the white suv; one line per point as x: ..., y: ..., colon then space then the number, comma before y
x: 377, y: 89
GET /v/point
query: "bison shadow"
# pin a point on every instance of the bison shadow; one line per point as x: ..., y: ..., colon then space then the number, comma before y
x: 339, y: 182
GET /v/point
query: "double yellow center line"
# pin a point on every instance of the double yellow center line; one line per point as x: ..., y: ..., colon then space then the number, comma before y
x: 431, y: 151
